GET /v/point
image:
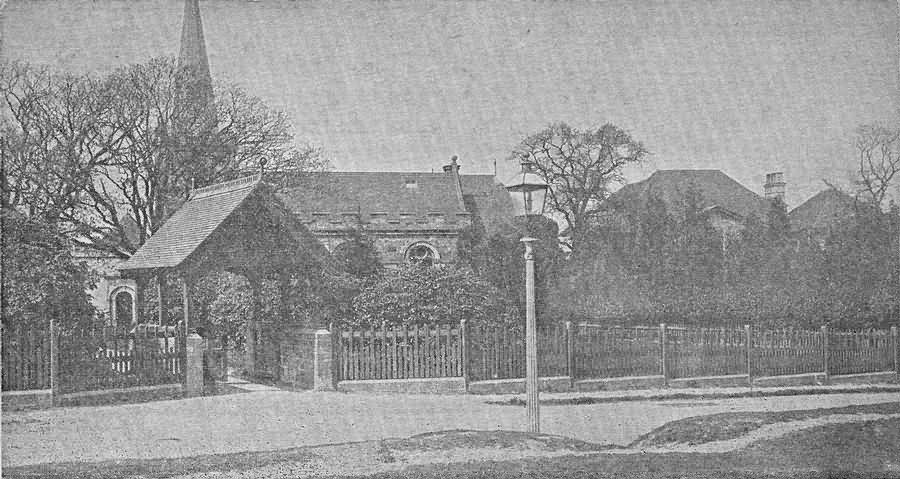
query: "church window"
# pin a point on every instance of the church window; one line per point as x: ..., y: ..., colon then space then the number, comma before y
x: 422, y: 254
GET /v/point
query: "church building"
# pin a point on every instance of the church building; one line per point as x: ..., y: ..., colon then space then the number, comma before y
x: 410, y: 217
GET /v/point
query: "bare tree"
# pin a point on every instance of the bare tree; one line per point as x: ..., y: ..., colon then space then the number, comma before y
x: 878, y: 151
x: 52, y: 141
x: 580, y: 167
x: 110, y: 156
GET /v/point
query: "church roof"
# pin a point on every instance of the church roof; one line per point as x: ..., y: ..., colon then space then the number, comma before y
x: 374, y: 193
x: 716, y: 189
x: 192, y: 224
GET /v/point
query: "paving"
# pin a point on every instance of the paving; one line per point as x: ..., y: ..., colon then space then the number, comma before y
x: 265, y: 418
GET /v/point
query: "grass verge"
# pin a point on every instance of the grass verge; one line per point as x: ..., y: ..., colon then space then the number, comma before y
x: 731, y: 425
x: 574, y: 401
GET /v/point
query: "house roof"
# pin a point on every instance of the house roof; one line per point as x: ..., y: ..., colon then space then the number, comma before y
x: 824, y: 209
x: 716, y: 189
x: 192, y: 224
x: 367, y: 193
x: 487, y: 199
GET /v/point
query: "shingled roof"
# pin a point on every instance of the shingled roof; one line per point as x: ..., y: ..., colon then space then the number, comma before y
x: 367, y: 193
x: 192, y: 224
x: 715, y: 188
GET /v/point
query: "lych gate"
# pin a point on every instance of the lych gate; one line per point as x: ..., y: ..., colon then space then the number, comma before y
x: 240, y: 227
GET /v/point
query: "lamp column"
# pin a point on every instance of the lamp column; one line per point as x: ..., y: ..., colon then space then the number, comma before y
x: 532, y: 403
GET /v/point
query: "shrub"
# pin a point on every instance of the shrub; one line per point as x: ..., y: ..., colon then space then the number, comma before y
x: 430, y: 295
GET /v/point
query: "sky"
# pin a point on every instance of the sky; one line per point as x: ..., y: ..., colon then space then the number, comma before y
x: 748, y: 87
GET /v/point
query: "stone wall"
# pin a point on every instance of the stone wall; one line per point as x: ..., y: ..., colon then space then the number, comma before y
x: 306, y: 360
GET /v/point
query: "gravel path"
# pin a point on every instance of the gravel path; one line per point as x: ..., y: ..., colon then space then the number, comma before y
x: 272, y: 420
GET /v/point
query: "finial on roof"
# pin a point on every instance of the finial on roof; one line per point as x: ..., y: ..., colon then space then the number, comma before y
x: 453, y: 166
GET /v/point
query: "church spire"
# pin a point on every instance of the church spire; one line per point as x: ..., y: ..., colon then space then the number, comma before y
x: 193, y: 49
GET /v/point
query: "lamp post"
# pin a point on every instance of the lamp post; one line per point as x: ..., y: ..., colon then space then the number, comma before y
x: 528, y: 192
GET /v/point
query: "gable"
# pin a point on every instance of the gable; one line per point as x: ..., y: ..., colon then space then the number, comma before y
x: 716, y: 189
x: 191, y: 225
x: 825, y: 209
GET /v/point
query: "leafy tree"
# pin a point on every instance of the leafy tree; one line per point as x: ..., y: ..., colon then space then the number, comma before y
x: 580, y: 166
x: 431, y: 295
x: 499, y: 259
x: 41, y: 279
x: 357, y: 256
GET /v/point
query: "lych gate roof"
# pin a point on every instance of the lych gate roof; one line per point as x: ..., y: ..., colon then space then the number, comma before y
x: 365, y: 193
x: 192, y: 224
x: 715, y: 188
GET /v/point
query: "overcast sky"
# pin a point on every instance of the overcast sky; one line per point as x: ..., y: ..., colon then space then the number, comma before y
x: 747, y: 87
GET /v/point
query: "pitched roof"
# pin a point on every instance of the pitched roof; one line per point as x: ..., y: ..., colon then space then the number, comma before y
x: 715, y: 189
x: 824, y: 209
x: 487, y: 199
x: 192, y: 224
x: 365, y: 193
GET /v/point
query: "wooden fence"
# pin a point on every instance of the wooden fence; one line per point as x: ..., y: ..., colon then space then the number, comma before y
x: 705, y: 352
x: 109, y: 358
x: 26, y: 357
x: 590, y: 351
x: 428, y: 351
x: 854, y: 352
x: 499, y: 353
x: 602, y: 352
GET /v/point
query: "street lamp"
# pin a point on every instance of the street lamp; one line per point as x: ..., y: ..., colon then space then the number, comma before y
x: 528, y: 191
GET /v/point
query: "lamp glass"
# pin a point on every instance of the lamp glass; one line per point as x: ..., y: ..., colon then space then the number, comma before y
x: 528, y: 192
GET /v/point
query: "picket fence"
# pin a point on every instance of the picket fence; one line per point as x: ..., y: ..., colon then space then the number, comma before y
x: 26, y: 357
x: 110, y: 358
x: 428, y: 351
x: 78, y: 360
x: 590, y: 351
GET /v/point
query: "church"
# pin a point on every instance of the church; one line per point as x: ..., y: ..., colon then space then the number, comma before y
x: 410, y: 217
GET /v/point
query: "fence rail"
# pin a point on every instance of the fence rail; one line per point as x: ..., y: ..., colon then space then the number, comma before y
x: 591, y: 351
x: 26, y: 357
x: 109, y: 358
x: 602, y: 352
x: 428, y: 351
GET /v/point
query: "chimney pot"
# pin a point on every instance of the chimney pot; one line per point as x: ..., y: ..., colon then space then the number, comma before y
x: 775, y: 186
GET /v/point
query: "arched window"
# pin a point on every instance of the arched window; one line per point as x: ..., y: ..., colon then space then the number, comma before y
x: 422, y: 254
x: 122, y: 307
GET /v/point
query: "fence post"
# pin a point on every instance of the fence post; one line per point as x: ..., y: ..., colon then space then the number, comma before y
x: 464, y: 352
x: 54, y: 363
x: 570, y: 353
x: 748, y: 337
x: 193, y: 368
x: 663, y: 362
x: 825, y: 352
x: 895, y: 341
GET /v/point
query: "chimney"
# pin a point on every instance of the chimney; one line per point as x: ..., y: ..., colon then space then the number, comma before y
x: 775, y: 186
x: 453, y: 169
